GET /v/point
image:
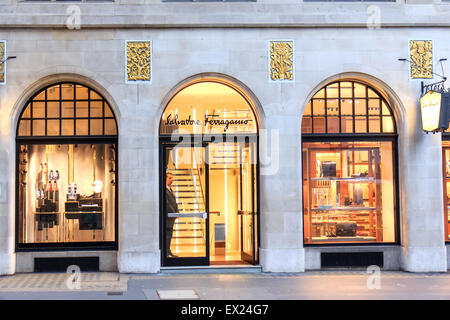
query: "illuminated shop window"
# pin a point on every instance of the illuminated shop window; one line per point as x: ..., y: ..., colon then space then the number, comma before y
x: 66, y: 150
x: 446, y: 175
x: 349, y: 143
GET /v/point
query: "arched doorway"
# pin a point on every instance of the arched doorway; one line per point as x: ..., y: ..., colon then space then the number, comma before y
x: 66, y: 170
x: 349, y: 147
x: 209, y: 175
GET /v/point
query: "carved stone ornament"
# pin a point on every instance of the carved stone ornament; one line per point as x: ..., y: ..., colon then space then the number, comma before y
x: 2, y: 57
x: 421, y: 56
x: 138, y: 61
x: 281, y: 60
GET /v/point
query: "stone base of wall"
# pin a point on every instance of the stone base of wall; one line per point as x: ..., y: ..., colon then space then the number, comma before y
x: 424, y: 259
x: 139, y: 262
x: 282, y: 260
x: 25, y: 260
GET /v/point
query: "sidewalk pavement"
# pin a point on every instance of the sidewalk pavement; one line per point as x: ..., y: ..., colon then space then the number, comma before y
x: 341, y: 285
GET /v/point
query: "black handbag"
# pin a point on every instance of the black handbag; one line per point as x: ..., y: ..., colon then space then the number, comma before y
x: 346, y: 229
x: 328, y: 169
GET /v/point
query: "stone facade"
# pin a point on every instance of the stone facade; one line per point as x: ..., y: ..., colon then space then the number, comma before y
x: 332, y: 41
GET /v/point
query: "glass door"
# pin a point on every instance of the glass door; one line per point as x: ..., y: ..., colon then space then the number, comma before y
x: 247, y: 201
x: 185, y: 205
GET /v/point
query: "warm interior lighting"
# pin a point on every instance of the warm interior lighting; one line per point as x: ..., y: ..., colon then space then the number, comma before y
x: 98, y: 186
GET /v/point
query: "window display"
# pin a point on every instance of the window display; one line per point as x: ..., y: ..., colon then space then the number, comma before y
x: 68, y: 193
x: 348, y: 192
x: 66, y: 168
x: 446, y: 174
x: 349, y: 167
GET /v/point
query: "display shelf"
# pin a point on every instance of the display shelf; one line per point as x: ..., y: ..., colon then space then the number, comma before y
x: 344, y: 195
x: 350, y: 179
x: 345, y: 209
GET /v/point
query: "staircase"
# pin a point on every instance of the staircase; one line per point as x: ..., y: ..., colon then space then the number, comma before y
x: 189, y: 237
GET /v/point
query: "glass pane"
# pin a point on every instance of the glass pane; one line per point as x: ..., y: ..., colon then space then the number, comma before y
x: 360, y: 124
x: 108, y: 112
x: 347, y: 107
x: 333, y: 124
x: 38, y: 109
x: 360, y: 107
x: 51, y: 210
x: 319, y: 125
x: 67, y: 109
x: 67, y: 127
x: 386, y: 111
x: 82, y: 127
x: 67, y: 91
x: 110, y: 127
x: 333, y: 91
x: 374, y: 107
x: 374, y: 124
x: 372, y: 93
x: 40, y: 96
x: 349, y: 192
x: 27, y: 112
x: 25, y: 128
x: 53, y: 127
x: 388, y: 125
x: 185, y: 207
x: 52, y: 109
x: 95, y: 96
x: 333, y: 107
x: 306, y: 125
x: 96, y: 109
x: 346, y: 90
x: 360, y: 91
x: 96, y: 127
x: 38, y: 127
x: 318, y: 107
x: 320, y: 94
x: 82, y: 109
x: 307, y: 109
x: 53, y: 93
x: 347, y: 124
x: 82, y: 93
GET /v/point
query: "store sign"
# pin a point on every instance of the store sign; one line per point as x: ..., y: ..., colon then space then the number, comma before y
x: 209, y: 120
x: 434, y: 107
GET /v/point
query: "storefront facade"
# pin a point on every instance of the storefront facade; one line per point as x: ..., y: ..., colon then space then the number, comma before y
x: 289, y: 172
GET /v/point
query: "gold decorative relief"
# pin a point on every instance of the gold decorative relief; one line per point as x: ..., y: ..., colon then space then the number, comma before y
x: 281, y: 60
x: 421, y: 55
x: 138, y: 61
x: 2, y: 57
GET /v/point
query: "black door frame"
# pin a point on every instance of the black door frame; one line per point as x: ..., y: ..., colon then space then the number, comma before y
x: 203, y: 141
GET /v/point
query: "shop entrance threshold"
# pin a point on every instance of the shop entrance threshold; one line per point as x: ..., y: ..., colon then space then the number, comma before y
x: 213, y: 269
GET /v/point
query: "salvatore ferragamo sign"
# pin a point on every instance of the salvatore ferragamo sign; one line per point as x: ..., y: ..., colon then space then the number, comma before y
x: 211, y: 120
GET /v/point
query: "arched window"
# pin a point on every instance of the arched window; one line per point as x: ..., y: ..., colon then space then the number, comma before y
x: 349, y: 160
x: 209, y: 175
x: 66, y: 170
x: 67, y: 109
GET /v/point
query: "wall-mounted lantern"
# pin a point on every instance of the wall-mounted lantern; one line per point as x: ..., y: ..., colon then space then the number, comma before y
x: 435, y: 111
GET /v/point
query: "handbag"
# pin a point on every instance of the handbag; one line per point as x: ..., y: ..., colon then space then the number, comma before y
x: 328, y: 169
x: 346, y: 229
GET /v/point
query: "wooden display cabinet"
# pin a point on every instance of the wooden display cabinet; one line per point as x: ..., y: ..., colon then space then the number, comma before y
x: 350, y: 192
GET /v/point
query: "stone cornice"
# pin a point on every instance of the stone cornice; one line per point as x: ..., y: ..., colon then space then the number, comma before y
x: 224, y: 15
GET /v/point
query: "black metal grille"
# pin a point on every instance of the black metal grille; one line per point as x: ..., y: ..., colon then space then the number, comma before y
x: 348, y: 107
x: 67, y: 109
